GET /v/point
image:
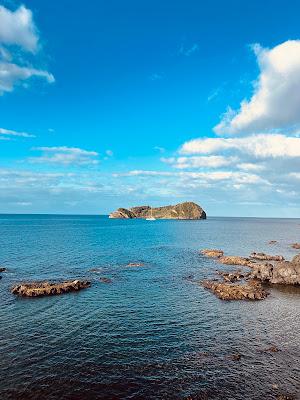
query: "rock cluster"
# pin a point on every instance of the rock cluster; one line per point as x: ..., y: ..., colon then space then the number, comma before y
x: 285, y: 272
x: 187, y: 210
x: 251, y: 290
x: 296, y: 246
x: 36, y: 289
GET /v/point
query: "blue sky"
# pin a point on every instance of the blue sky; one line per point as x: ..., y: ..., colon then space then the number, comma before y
x: 110, y: 104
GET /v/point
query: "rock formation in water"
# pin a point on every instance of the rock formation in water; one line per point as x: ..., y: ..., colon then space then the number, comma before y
x: 284, y: 272
x: 213, y: 253
x: 187, y: 210
x: 234, y: 260
x: 36, y: 289
x: 266, y: 257
x: 251, y: 290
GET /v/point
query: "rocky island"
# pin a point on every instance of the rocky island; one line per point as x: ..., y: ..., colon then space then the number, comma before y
x: 37, y: 289
x: 186, y: 210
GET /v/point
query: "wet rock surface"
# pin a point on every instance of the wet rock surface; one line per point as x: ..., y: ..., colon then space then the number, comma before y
x: 214, y: 253
x: 251, y: 290
x: 2, y: 269
x: 233, y: 276
x: 37, y: 289
x: 186, y: 210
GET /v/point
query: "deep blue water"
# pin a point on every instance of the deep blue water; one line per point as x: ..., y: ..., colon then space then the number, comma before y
x: 151, y: 334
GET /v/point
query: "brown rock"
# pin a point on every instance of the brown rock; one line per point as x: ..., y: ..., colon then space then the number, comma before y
x: 266, y: 257
x: 272, y: 349
x: 227, y: 291
x: 296, y: 259
x: 285, y: 272
x: 187, y: 210
x: 35, y: 289
x: 214, y: 253
x: 234, y: 260
x: 273, y: 242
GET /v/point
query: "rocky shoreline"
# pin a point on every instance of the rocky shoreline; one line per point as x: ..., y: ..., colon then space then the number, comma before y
x: 37, y: 289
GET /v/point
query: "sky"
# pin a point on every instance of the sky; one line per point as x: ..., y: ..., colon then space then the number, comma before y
x: 116, y: 104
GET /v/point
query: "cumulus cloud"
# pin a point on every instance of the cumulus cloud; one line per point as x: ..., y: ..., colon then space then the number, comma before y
x: 275, y: 102
x: 258, y: 146
x: 17, y: 29
x: 65, y: 156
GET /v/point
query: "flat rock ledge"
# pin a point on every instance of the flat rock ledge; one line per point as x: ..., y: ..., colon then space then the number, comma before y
x: 251, y: 290
x: 37, y: 289
x: 186, y: 210
x: 266, y: 257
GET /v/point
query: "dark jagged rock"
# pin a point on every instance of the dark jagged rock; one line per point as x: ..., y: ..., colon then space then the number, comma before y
x: 234, y: 260
x: 36, y: 289
x: 226, y: 291
x: 285, y: 272
x: 273, y: 242
x: 214, y: 253
x: 233, y: 276
x: 187, y: 210
x: 266, y: 257
x: 2, y: 269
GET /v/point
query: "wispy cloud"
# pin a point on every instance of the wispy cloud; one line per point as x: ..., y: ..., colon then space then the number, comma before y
x: 7, y: 134
x: 64, y: 155
x: 188, y: 50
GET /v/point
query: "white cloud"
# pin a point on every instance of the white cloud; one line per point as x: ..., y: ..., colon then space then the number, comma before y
x: 199, y: 162
x: 7, y: 134
x: 275, y: 102
x: 109, y: 153
x: 18, y: 29
x: 65, y: 156
x: 258, y: 146
x: 11, y: 74
x: 251, y: 167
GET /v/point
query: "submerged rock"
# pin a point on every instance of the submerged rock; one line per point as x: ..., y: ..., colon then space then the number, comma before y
x: 2, y: 269
x: 187, y: 210
x: 234, y: 260
x: 227, y: 291
x: 273, y: 242
x: 296, y: 246
x: 214, y: 253
x: 285, y: 272
x: 35, y: 289
x: 135, y: 264
x: 266, y: 257
x: 272, y: 349
x: 105, y: 280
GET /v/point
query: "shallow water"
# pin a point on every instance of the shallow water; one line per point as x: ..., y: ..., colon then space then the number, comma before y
x: 151, y: 334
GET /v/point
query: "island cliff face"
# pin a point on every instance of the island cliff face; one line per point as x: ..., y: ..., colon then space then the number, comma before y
x: 187, y: 210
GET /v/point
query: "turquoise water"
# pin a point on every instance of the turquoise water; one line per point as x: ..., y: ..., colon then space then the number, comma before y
x: 151, y: 333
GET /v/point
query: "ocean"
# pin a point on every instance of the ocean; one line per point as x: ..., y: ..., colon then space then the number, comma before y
x: 151, y: 333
